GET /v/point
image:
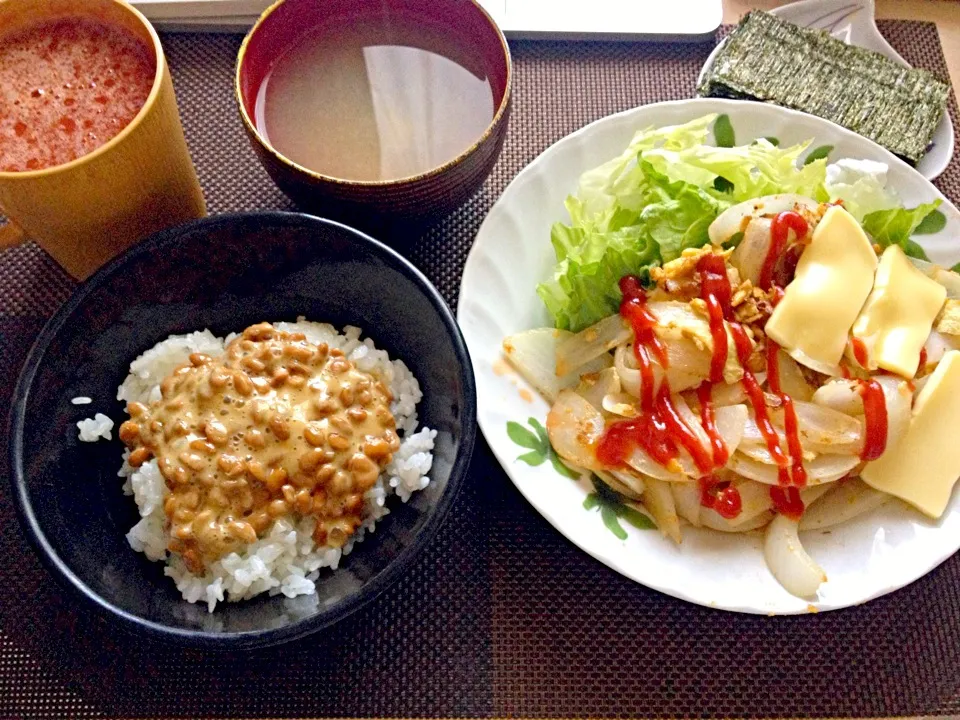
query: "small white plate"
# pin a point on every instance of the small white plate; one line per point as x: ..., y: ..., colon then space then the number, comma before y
x: 852, y: 21
x: 865, y: 558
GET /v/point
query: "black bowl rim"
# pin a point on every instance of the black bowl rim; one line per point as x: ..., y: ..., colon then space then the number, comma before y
x: 249, y: 638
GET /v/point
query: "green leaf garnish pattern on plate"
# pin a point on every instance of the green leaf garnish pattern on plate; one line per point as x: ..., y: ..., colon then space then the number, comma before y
x: 820, y: 153
x: 613, y: 509
x: 723, y: 132
x: 537, y: 442
x: 932, y: 223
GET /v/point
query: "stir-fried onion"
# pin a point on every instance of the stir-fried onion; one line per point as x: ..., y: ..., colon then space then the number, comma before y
x: 788, y: 561
x: 844, y: 501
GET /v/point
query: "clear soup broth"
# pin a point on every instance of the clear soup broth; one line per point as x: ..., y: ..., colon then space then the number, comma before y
x: 374, y: 100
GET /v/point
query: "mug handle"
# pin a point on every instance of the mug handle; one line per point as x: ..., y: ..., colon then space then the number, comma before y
x: 10, y: 235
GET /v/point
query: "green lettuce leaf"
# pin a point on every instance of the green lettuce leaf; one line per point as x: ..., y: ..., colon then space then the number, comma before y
x: 754, y: 170
x: 595, y: 252
x: 584, y: 287
x: 895, y: 226
x: 620, y: 181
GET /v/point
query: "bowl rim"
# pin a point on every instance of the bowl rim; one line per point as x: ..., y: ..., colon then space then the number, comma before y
x: 246, y: 639
x: 499, y: 117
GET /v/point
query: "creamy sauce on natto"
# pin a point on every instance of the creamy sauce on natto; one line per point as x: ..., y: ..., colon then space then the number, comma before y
x: 276, y: 427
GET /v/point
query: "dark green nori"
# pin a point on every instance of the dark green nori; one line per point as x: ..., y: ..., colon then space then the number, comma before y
x: 768, y: 59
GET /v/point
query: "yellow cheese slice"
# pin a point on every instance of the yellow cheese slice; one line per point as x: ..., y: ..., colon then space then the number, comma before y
x: 895, y: 322
x: 833, y: 279
x: 924, y: 464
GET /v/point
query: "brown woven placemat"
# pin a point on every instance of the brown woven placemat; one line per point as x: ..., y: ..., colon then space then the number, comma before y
x: 501, y: 615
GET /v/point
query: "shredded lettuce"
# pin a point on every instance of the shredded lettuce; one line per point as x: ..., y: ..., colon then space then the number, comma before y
x: 660, y: 195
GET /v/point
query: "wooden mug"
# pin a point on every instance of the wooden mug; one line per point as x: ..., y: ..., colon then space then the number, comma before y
x: 88, y: 210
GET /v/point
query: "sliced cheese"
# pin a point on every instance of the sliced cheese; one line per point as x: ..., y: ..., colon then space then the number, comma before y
x: 833, y: 279
x: 895, y: 322
x: 922, y: 467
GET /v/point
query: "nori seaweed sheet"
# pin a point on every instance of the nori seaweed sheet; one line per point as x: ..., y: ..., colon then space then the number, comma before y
x: 806, y: 69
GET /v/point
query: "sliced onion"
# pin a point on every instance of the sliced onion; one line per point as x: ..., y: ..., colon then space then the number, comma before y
x: 898, y: 398
x: 686, y: 497
x: 620, y: 404
x: 713, y: 520
x: 845, y: 501
x: 729, y: 422
x: 658, y: 499
x: 841, y: 395
x: 811, y: 494
x: 733, y: 219
x: 792, y: 381
x: 845, y: 398
x: 751, y: 253
x: 689, y: 344
x: 820, y: 430
x: 823, y: 430
x: 640, y: 461
x: 575, y: 351
x: 788, y: 561
x: 761, y: 452
x: 594, y: 387
x: 937, y: 345
x: 693, y: 422
x: 626, y: 483
x: 754, y: 500
x: 822, y: 469
x: 631, y: 380
x: 722, y: 394
x: 687, y: 364
x: 533, y: 354
x: 574, y: 426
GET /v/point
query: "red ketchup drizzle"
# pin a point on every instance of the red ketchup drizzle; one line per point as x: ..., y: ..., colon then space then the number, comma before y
x: 634, y: 309
x: 875, y: 417
x: 714, y: 283
x: 790, y: 426
x: 779, y: 232
x: 923, y: 359
x: 716, y: 293
x: 755, y: 394
x: 659, y: 429
x: 859, y: 351
x: 787, y: 501
x: 720, y: 496
x: 660, y: 432
x: 720, y: 452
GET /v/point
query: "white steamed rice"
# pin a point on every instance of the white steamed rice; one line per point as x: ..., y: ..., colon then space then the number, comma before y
x: 286, y: 560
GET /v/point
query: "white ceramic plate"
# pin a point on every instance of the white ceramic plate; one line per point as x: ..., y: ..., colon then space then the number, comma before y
x: 865, y: 558
x: 852, y: 21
